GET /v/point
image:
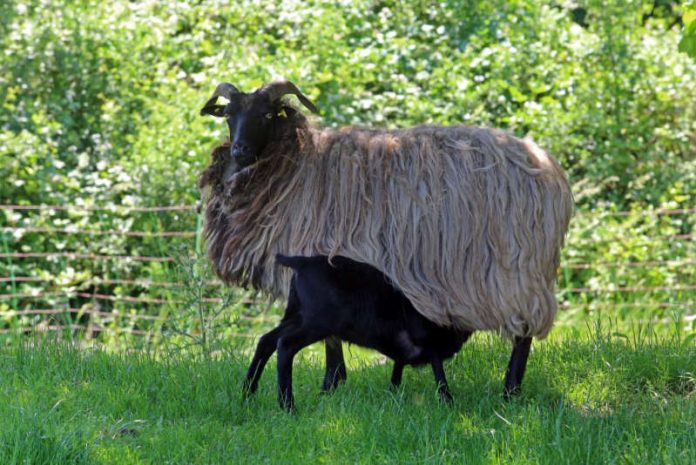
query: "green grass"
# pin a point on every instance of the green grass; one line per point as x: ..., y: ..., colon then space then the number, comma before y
x: 589, y: 397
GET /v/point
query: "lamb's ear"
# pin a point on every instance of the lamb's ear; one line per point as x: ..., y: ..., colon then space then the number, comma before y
x: 277, y: 89
x: 224, y: 89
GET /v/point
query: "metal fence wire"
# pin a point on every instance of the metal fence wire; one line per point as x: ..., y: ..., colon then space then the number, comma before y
x: 89, y: 270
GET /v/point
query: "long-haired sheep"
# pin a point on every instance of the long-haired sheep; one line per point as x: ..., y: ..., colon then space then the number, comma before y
x: 467, y: 222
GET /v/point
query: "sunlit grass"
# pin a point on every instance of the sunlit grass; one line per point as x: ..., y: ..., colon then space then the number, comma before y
x: 589, y: 396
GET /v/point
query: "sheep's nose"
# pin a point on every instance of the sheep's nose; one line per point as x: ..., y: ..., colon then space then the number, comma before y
x: 242, y: 154
x: 240, y: 150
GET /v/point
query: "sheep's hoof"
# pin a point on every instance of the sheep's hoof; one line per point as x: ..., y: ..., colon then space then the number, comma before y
x: 289, y: 408
x: 446, y: 397
x: 333, y: 380
x: 511, y: 392
x: 287, y: 403
x: 247, y: 389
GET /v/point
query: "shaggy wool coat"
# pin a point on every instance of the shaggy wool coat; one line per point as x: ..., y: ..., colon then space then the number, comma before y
x: 468, y: 222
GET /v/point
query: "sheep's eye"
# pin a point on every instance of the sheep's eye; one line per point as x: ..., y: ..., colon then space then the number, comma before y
x: 268, y: 116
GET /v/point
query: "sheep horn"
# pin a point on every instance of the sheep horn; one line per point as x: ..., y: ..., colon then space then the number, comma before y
x: 277, y: 89
x: 224, y: 89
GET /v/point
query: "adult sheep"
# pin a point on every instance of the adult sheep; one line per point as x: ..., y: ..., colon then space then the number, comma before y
x: 467, y: 222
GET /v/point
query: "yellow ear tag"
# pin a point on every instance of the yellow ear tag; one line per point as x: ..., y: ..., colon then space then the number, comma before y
x: 282, y: 113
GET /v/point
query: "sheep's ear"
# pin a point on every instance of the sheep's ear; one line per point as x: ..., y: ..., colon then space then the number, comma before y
x: 277, y: 89
x: 224, y: 89
x: 213, y: 110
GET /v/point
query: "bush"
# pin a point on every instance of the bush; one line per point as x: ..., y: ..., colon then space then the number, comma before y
x: 101, y: 105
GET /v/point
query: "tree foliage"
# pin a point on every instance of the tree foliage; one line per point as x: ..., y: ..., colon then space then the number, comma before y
x: 687, y: 44
x: 100, y: 99
x: 92, y: 87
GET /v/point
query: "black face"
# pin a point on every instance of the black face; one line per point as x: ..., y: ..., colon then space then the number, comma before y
x: 251, y: 119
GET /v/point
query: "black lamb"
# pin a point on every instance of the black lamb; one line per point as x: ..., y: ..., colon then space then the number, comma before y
x: 356, y: 303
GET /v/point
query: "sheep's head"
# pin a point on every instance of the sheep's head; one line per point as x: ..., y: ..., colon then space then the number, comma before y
x: 253, y: 118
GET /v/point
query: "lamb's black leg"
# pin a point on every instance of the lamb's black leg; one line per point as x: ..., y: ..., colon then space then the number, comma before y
x: 264, y: 349
x: 439, y: 372
x: 335, y: 365
x: 517, y: 365
x: 291, y: 342
x: 397, y: 372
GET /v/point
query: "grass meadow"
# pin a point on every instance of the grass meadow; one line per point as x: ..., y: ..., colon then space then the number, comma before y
x: 590, y: 396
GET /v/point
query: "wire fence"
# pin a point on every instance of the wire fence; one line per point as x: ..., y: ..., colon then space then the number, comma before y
x: 89, y: 270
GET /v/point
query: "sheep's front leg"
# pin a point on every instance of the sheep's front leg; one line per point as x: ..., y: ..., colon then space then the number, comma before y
x: 288, y: 345
x: 335, y: 364
x: 265, y: 348
x: 442, y: 387
x: 517, y: 365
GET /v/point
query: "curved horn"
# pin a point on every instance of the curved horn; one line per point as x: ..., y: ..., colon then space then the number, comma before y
x: 277, y: 89
x: 224, y: 89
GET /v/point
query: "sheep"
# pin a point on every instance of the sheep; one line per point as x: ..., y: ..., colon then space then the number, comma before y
x: 467, y: 222
x: 356, y: 303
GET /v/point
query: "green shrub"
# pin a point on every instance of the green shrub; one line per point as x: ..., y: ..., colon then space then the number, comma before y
x: 100, y: 107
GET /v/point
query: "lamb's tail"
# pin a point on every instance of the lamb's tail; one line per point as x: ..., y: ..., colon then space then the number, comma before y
x: 297, y: 262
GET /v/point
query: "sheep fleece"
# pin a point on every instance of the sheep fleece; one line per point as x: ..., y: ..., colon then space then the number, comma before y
x: 468, y: 222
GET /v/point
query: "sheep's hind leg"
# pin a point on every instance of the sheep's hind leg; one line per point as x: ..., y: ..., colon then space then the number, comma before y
x: 335, y: 364
x: 517, y: 365
x: 264, y: 349
x: 442, y: 387
x: 397, y: 373
x: 289, y: 344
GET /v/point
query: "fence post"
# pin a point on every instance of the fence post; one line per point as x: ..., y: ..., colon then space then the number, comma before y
x: 10, y: 266
x: 199, y: 237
